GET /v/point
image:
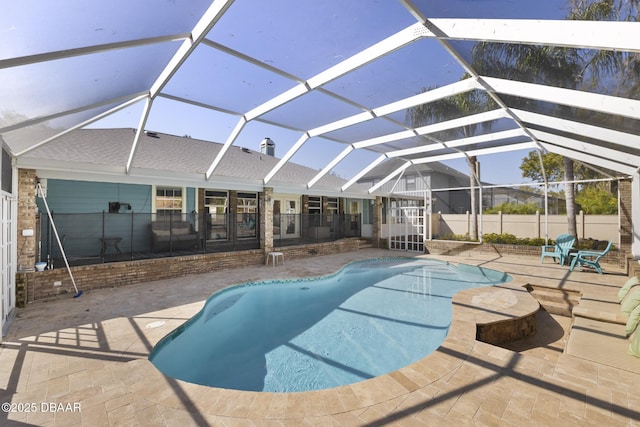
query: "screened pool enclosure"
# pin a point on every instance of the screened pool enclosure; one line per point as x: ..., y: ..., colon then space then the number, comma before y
x: 346, y: 88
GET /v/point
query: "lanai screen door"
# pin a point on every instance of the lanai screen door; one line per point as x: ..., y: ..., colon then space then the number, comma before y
x: 407, y: 228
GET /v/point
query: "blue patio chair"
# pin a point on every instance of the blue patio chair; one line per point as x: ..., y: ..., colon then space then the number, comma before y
x: 564, y: 244
x: 589, y: 258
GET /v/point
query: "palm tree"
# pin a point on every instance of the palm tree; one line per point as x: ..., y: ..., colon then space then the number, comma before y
x: 567, y: 67
x: 452, y: 107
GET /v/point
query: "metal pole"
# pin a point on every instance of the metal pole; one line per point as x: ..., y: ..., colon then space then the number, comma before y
x: 546, y: 214
x: 103, y: 249
x: 131, y: 236
x: 55, y: 232
x: 480, y: 227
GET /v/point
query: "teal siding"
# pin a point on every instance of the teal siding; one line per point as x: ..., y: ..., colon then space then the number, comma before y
x: 367, y: 211
x: 88, y: 197
x: 82, y: 217
x: 191, y: 199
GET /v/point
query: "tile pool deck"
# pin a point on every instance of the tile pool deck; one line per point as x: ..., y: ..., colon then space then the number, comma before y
x: 90, y: 354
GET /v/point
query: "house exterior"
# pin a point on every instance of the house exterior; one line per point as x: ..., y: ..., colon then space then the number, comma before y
x: 449, y: 189
x: 163, y: 206
x: 99, y: 213
x: 419, y: 179
x: 105, y: 215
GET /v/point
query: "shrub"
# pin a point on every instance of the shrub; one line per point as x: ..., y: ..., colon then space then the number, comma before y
x: 592, y: 244
x: 533, y: 241
x: 504, y: 238
x: 510, y: 239
x: 456, y: 237
x: 514, y: 208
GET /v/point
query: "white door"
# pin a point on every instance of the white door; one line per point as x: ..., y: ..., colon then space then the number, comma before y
x: 286, y: 216
x: 406, y: 229
x: 290, y: 223
x: 7, y: 270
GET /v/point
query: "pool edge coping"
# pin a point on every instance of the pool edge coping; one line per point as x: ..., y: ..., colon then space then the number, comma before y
x: 459, y: 343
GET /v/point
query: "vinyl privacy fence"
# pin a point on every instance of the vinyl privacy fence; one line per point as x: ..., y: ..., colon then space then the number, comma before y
x: 598, y: 227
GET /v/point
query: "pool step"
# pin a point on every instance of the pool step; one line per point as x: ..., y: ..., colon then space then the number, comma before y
x: 364, y: 243
x: 555, y: 301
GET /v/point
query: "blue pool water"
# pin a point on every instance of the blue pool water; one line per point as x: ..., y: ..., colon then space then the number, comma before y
x: 370, y: 318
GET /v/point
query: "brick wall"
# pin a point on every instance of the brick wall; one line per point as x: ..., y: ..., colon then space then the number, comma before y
x: 27, y: 211
x: 507, y: 331
x: 306, y: 251
x: 43, y: 285
x: 377, y: 222
x: 625, y: 218
x: 266, y: 219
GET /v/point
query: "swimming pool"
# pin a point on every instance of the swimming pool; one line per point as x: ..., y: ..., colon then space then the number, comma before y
x: 370, y: 318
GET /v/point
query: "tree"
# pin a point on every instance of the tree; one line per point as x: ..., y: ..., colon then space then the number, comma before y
x: 593, y: 198
x: 597, y: 201
x: 453, y: 107
x: 554, y: 168
x: 568, y: 68
x: 570, y: 197
x: 552, y: 162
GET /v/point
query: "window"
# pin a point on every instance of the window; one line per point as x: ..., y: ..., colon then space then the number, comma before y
x: 247, y: 203
x: 215, y: 203
x: 332, y: 205
x: 247, y: 215
x: 410, y: 181
x: 315, y: 209
x: 290, y: 217
x: 7, y: 172
x: 315, y: 205
x: 169, y: 203
x: 331, y: 213
x: 385, y: 207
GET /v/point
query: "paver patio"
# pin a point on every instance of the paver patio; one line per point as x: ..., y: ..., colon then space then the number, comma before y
x: 92, y: 352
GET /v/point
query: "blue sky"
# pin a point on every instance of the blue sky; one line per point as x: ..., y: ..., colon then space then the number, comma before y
x: 239, y: 29
x: 179, y: 119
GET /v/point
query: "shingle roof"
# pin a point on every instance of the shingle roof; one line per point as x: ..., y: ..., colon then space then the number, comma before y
x: 164, y: 152
x: 388, y: 167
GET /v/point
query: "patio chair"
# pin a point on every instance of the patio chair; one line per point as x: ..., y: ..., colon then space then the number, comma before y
x: 564, y: 244
x: 590, y: 258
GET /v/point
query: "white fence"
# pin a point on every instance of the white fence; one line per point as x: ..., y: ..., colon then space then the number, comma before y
x: 599, y: 227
